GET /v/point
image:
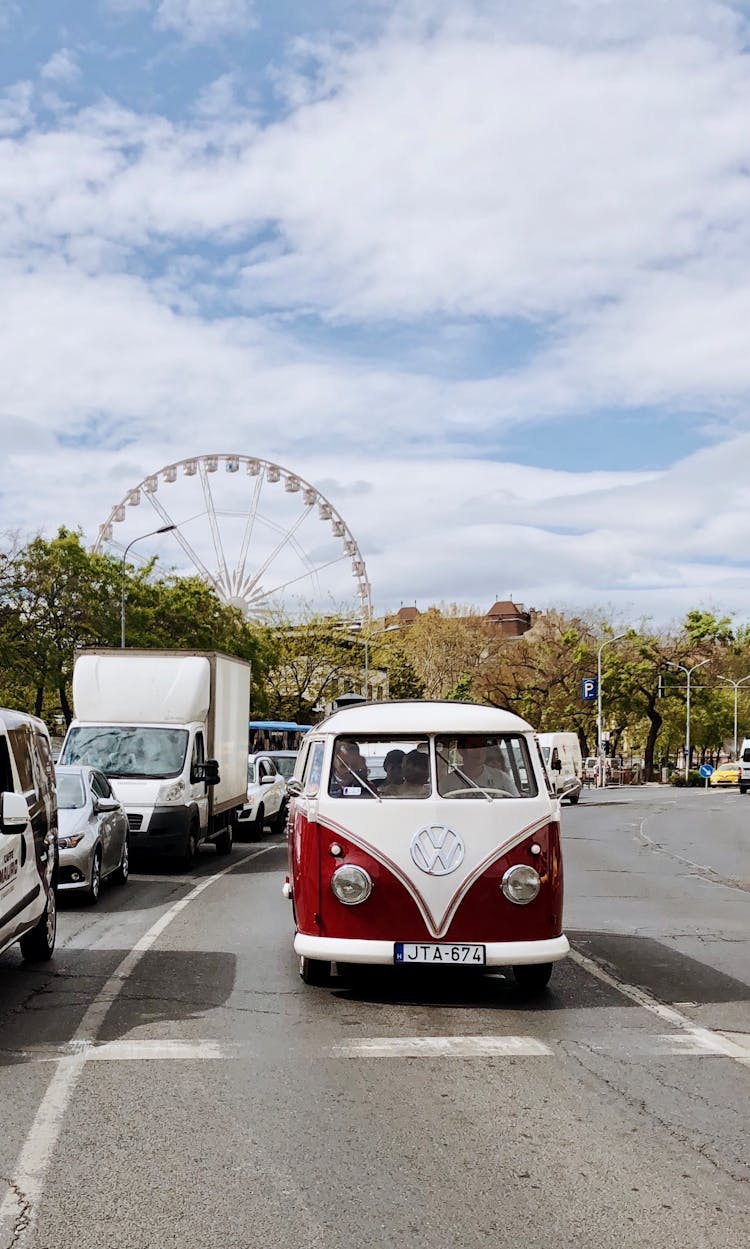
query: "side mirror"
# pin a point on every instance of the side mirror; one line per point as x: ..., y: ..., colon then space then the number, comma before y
x: 211, y: 772
x: 294, y: 788
x: 106, y: 804
x: 746, y: 756
x: 268, y: 779
x: 557, y: 765
x: 14, y: 810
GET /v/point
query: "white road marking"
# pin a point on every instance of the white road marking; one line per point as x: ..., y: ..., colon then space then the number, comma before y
x: 442, y: 1047
x: 141, y: 1048
x: 716, y: 1042
x: 18, y: 1216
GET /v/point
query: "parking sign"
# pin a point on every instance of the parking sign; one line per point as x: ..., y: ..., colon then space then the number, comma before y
x: 588, y: 689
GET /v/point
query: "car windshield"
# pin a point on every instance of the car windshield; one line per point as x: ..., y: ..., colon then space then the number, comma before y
x: 120, y: 750
x: 285, y: 765
x: 70, y: 794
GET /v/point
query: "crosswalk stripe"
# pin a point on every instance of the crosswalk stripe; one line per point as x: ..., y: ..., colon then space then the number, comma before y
x: 442, y: 1047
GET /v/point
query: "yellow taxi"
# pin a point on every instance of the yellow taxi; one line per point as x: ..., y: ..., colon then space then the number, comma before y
x: 726, y: 774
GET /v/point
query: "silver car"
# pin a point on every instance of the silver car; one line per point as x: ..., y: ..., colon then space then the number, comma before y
x: 92, y: 832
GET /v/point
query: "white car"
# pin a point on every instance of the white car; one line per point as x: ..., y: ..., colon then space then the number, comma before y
x: 266, y: 797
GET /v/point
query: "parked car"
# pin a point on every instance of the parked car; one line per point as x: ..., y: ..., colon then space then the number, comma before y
x: 266, y: 797
x: 92, y: 837
x: 726, y: 774
x: 284, y: 761
x: 28, y: 837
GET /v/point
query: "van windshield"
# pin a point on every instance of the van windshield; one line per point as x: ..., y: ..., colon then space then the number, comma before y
x: 477, y: 765
x: 369, y: 767
x: 122, y: 750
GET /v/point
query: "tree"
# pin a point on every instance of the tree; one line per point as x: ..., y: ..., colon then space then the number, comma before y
x: 310, y: 661
x: 447, y: 646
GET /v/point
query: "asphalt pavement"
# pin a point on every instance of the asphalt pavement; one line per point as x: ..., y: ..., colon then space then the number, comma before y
x: 168, y: 1081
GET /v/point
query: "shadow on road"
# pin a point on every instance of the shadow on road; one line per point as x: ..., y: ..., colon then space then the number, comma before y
x: 659, y: 969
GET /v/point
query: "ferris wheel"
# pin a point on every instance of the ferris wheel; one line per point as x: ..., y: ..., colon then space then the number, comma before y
x: 258, y: 534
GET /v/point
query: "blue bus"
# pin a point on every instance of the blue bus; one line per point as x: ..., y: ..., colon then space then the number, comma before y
x: 276, y: 735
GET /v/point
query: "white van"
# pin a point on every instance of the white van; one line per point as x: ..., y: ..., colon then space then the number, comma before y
x: 28, y: 837
x: 562, y: 757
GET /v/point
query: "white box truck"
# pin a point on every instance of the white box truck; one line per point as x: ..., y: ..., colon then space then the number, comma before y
x: 170, y: 730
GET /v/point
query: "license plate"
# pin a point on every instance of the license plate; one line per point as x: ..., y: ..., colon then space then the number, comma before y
x: 456, y: 955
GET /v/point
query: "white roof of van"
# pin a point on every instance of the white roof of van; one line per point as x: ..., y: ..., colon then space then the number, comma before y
x: 421, y: 717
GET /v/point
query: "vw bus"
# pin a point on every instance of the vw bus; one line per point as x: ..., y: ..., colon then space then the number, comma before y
x: 424, y: 833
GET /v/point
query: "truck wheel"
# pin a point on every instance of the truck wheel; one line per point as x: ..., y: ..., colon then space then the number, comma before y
x: 225, y: 840
x: 314, y: 971
x: 532, y: 977
x: 38, y: 945
x: 187, y: 860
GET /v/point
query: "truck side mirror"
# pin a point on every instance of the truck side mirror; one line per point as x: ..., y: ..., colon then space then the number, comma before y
x: 14, y: 810
x: 746, y: 756
x: 557, y: 765
x: 211, y: 772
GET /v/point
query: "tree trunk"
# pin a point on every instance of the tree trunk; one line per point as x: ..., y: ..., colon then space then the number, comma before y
x: 67, y: 710
x: 655, y: 723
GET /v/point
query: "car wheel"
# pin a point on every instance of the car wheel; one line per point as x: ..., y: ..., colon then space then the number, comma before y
x: 95, y: 884
x: 532, y: 977
x: 314, y: 971
x: 122, y: 875
x: 258, y: 822
x: 573, y: 799
x: 38, y: 945
x: 279, y: 820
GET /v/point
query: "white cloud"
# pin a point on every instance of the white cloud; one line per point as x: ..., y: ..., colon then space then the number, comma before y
x: 62, y: 67
x: 199, y: 20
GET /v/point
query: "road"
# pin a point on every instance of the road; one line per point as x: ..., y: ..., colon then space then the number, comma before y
x: 168, y: 1080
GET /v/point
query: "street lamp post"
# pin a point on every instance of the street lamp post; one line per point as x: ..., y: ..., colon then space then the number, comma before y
x: 689, y: 672
x: 140, y: 538
x: 736, y: 685
x: 599, y: 742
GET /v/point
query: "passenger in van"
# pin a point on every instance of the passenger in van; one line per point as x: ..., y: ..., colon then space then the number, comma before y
x: 348, y: 771
x: 393, y: 768
x: 416, y: 769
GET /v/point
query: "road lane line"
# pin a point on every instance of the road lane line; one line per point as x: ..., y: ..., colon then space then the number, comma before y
x: 442, y: 1047
x: 33, y: 1161
x: 704, y: 1038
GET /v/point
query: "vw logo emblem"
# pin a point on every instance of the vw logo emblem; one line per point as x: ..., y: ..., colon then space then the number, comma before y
x: 436, y: 849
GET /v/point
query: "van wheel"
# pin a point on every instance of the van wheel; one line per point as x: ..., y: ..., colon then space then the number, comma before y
x: 532, y: 977
x: 38, y: 945
x: 122, y: 874
x: 95, y: 884
x: 314, y: 971
x: 225, y: 841
x: 743, y: 789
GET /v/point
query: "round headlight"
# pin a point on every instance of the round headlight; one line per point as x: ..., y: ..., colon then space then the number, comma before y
x: 521, y: 884
x: 351, y: 884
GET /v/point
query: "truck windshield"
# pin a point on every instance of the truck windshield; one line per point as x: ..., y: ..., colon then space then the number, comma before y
x: 122, y: 750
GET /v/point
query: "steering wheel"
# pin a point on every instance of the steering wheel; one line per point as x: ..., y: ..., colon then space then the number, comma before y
x: 486, y: 789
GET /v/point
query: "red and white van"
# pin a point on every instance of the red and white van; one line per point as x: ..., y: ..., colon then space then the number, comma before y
x: 425, y: 833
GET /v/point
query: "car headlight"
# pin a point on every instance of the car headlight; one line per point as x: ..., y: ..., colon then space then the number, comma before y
x: 521, y: 884
x: 70, y: 843
x: 351, y: 884
x: 171, y: 791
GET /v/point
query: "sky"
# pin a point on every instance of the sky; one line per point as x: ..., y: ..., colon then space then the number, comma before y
x: 477, y: 271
